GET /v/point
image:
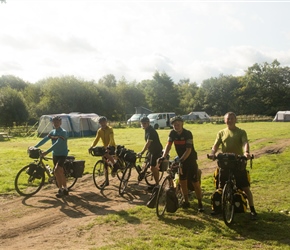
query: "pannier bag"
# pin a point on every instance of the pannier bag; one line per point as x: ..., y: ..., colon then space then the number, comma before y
x: 240, y: 201
x: 78, y: 169
x: 33, y: 153
x: 171, y: 200
x: 38, y: 173
x: 31, y: 169
x: 118, y: 150
x: 216, y: 201
x: 164, y: 166
x: 98, y: 151
x: 130, y: 156
x: 152, y: 200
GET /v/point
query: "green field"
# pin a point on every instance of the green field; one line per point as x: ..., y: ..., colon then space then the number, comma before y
x: 187, y: 229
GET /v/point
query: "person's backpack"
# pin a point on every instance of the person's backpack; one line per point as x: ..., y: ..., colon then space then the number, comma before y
x: 216, y: 200
x: 152, y: 200
x: 171, y: 200
x: 240, y: 201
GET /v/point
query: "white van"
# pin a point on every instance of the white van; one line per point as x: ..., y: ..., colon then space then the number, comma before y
x: 160, y: 120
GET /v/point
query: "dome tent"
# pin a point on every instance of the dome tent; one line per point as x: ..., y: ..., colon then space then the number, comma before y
x: 76, y: 124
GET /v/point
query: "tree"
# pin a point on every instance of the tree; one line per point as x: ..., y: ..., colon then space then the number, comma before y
x: 267, y: 88
x: 12, y: 82
x: 160, y: 93
x: 12, y: 107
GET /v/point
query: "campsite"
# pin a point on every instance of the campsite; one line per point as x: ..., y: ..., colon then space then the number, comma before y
x: 90, y: 219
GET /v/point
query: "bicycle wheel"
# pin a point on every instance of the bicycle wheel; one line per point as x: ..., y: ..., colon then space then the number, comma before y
x: 70, y: 180
x: 161, y: 197
x: 26, y: 182
x: 100, y: 174
x: 149, y: 178
x: 125, y: 179
x: 228, y: 204
x: 121, y: 170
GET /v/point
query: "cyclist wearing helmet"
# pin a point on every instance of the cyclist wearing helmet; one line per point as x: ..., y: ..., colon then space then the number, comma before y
x: 106, y: 134
x: 183, y: 142
x: 59, y: 149
x: 153, y: 146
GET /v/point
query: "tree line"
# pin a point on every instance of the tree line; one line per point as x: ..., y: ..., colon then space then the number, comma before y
x: 263, y: 90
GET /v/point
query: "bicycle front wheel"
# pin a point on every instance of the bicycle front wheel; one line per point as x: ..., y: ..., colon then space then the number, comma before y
x: 124, y: 180
x: 26, y: 182
x: 161, y: 197
x: 228, y: 204
x: 149, y: 178
x: 100, y: 174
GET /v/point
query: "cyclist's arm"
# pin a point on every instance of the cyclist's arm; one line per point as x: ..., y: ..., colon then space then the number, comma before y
x: 146, y: 146
x: 43, y: 141
x: 95, y: 142
x: 167, y: 149
x: 59, y: 146
x: 112, y: 140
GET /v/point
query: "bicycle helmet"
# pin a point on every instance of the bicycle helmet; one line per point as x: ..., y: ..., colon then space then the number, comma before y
x: 56, y: 118
x: 102, y: 119
x: 144, y: 119
x: 176, y: 118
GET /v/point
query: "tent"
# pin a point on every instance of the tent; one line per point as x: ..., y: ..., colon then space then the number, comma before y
x: 76, y: 124
x: 197, y: 115
x: 282, y: 116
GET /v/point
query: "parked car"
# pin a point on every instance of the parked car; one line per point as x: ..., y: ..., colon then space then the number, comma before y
x: 135, y: 118
x: 160, y: 120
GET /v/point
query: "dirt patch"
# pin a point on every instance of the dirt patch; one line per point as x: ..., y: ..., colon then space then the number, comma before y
x: 45, y: 222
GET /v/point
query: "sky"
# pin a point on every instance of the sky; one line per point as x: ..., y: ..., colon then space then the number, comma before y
x: 193, y: 40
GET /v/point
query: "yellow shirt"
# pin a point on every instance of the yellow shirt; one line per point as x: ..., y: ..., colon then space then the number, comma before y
x: 106, y: 135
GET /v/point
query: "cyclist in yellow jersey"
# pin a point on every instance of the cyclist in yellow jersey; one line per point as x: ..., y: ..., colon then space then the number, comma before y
x: 106, y: 134
x: 235, y: 140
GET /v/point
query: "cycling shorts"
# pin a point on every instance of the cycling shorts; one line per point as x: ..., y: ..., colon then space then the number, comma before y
x: 241, y: 176
x: 189, y: 171
x: 59, y: 160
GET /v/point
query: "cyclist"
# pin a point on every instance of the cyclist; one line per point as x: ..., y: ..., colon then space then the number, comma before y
x: 183, y: 142
x: 106, y: 134
x: 59, y: 149
x: 153, y: 146
x: 234, y: 140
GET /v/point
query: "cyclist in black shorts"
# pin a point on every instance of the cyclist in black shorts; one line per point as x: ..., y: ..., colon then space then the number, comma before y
x: 152, y: 145
x: 183, y: 142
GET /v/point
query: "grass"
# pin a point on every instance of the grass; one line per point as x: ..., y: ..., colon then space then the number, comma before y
x: 186, y: 229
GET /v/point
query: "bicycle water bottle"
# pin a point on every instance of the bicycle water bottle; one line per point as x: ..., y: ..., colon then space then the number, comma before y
x: 48, y: 168
x: 176, y: 180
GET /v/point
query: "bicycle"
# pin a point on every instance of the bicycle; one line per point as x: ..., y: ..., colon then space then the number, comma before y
x: 231, y: 163
x: 31, y: 178
x: 171, y: 181
x: 130, y: 157
x: 103, y: 168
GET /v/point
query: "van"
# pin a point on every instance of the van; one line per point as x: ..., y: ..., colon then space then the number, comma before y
x: 134, y: 119
x: 161, y: 120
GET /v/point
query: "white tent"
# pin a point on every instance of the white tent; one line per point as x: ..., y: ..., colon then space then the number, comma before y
x: 76, y: 124
x: 282, y: 116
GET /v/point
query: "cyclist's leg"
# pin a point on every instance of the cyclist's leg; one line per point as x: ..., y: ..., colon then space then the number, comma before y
x: 58, y: 162
x: 195, y: 179
x: 153, y: 166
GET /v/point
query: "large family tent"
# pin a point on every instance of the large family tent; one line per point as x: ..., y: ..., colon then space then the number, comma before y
x: 76, y: 124
x: 282, y: 116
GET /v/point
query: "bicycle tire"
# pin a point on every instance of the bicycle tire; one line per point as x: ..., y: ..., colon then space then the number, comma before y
x: 121, y: 170
x: 228, y: 204
x: 161, y: 196
x: 70, y: 180
x: 149, y: 178
x: 100, y: 174
x: 125, y: 179
x: 28, y: 185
